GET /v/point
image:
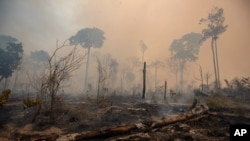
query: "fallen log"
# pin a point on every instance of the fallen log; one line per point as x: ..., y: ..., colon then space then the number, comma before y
x: 174, y: 119
x: 137, y: 127
x: 35, y: 137
x: 225, y: 114
x: 106, y: 133
x: 192, y: 113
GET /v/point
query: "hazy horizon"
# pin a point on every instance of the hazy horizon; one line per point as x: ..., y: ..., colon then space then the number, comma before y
x: 38, y: 24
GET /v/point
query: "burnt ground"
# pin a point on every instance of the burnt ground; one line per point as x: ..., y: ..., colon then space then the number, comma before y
x: 77, y: 115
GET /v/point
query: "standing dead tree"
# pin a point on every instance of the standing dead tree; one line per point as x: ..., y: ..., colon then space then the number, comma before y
x: 144, y: 81
x: 102, y: 76
x: 59, y: 69
x: 165, y: 90
x: 200, y: 79
x: 207, y: 75
x: 203, y: 88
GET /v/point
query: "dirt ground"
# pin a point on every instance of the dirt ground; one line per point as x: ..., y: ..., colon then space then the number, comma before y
x: 83, y: 114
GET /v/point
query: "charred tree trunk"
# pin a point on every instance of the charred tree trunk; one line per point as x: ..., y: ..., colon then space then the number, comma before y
x: 165, y: 90
x: 182, y: 65
x: 217, y: 62
x: 155, y: 76
x: 87, y: 69
x: 215, y: 66
x: 201, y: 74
x: 99, y: 79
x: 144, y: 81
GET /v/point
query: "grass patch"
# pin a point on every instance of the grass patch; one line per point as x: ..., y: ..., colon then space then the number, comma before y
x: 221, y: 101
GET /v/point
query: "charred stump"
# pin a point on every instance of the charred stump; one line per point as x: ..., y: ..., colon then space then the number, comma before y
x: 144, y: 81
x: 165, y: 90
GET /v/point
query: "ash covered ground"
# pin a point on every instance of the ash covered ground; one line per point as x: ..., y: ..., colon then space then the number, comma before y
x: 81, y: 114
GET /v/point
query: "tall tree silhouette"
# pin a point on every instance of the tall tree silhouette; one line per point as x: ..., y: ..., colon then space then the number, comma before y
x: 185, y: 50
x: 87, y: 38
x: 215, y: 27
x: 11, y: 53
x: 39, y: 56
x: 39, y: 59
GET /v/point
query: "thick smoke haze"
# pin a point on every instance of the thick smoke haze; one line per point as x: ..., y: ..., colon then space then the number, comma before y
x: 38, y: 24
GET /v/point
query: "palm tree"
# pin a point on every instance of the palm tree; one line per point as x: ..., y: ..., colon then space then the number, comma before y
x: 215, y: 26
x: 87, y: 38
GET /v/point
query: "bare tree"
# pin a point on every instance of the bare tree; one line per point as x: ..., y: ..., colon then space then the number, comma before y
x: 58, y: 71
x: 207, y: 76
x: 102, y: 76
x: 204, y: 79
x: 111, y: 66
x: 201, y: 78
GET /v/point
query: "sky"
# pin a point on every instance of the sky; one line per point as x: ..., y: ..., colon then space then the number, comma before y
x: 38, y: 24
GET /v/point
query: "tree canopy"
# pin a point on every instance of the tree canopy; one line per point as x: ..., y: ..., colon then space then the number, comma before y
x: 11, y: 52
x: 214, y: 22
x: 39, y: 56
x: 88, y: 37
x: 186, y: 48
x: 5, y: 39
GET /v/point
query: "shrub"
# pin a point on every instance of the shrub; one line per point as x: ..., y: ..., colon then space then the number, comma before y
x: 5, y: 96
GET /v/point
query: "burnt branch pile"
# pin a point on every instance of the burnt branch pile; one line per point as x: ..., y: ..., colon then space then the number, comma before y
x: 137, y: 127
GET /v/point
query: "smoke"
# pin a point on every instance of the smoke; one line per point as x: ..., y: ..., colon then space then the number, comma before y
x: 38, y: 24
